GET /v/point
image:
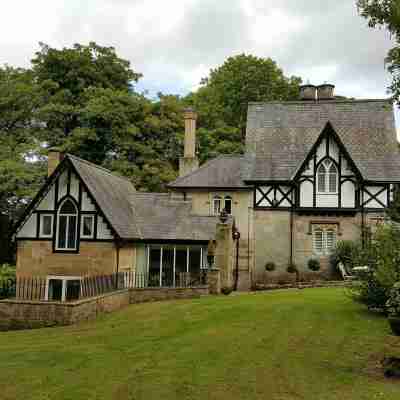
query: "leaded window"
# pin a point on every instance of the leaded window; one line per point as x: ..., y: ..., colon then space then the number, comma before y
x: 327, y: 177
x: 67, y: 226
x: 324, y: 240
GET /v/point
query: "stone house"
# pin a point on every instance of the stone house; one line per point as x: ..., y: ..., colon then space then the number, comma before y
x: 315, y: 171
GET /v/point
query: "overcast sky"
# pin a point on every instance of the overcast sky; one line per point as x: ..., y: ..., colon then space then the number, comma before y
x: 174, y: 43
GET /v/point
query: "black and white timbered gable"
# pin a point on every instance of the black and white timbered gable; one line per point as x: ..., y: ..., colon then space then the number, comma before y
x: 79, y: 202
x: 328, y: 179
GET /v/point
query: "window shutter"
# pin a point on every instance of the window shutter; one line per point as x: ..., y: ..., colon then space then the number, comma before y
x: 330, y: 240
x: 318, y: 241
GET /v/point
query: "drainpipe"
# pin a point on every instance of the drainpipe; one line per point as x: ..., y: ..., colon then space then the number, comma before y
x: 291, y: 236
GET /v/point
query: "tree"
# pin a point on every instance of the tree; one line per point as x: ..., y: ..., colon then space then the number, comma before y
x: 242, y: 79
x: 386, y: 13
x: 20, y: 96
x: 67, y: 75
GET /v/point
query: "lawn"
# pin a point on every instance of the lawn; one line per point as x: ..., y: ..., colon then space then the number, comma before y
x: 295, y: 344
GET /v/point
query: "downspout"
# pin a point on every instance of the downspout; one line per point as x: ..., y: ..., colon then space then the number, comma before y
x: 291, y: 235
x: 237, y: 265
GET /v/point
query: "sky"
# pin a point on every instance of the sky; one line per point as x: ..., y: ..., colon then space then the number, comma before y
x: 175, y: 43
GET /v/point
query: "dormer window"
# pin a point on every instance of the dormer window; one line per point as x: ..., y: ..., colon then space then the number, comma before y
x: 327, y: 177
x: 67, y: 226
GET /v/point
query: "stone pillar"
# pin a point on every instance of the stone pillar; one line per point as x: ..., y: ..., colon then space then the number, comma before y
x: 214, y: 281
x: 224, y: 253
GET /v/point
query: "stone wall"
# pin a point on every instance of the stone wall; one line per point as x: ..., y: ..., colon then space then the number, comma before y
x: 18, y: 314
x: 272, y: 243
x: 272, y: 235
x: 142, y: 295
x: 36, y: 258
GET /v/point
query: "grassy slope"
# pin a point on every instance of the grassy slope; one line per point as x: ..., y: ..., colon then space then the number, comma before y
x: 310, y: 344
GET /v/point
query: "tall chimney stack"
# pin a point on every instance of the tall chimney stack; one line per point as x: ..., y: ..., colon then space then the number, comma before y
x: 189, y: 162
x: 54, y: 157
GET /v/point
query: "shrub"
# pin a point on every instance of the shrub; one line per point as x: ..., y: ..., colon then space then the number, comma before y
x: 382, y: 255
x: 314, y: 264
x: 292, y: 268
x: 270, y: 266
x: 393, y: 303
x: 349, y: 253
x: 226, y: 290
x: 7, y: 272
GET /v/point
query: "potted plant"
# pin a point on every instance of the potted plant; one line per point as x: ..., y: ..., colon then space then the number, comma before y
x: 314, y: 264
x: 292, y: 269
x: 270, y: 266
x: 393, y: 308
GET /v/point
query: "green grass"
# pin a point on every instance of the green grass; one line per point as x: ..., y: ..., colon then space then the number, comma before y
x: 296, y: 344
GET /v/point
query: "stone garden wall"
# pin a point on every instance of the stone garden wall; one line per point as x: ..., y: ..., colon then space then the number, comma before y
x: 22, y: 314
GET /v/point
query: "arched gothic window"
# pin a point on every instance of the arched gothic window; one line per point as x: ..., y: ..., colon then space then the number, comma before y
x: 67, y: 226
x: 327, y: 177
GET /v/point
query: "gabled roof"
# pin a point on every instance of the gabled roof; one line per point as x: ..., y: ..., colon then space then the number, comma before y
x: 111, y: 193
x: 225, y: 171
x: 133, y: 215
x: 161, y: 217
x: 280, y: 136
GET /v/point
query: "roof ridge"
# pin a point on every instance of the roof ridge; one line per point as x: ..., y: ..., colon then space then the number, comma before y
x: 386, y: 100
x: 206, y: 164
x: 99, y: 167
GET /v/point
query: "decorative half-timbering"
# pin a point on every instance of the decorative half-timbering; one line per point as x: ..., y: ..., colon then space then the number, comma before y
x: 274, y: 196
x: 328, y: 178
x: 376, y: 196
x: 65, y: 213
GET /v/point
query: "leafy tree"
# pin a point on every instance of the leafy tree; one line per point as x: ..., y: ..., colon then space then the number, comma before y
x: 150, y: 153
x: 20, y: 96
x: 386, y: 13
x: 67, y: 75
x: 226, y: 92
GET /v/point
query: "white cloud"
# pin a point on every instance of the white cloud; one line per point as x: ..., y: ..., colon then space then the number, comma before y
x: 174, y: 43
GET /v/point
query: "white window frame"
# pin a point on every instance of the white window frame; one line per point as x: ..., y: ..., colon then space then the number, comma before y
x: 327, y: 164
x: 325, y: 249
x: 229, y: 198
x: 83, y: 236
x: 59, y: 214
x: 41, y: 233
x: 219, y: 199
x: 64, y: 280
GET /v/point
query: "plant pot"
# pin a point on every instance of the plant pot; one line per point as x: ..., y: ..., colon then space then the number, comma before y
x: 394, y: 323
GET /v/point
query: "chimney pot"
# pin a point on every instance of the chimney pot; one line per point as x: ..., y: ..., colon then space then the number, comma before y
x: 326, y: 91
x: 308, y: 92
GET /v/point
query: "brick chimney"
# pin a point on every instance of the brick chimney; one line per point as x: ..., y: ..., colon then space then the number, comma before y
x: 54, y: 157
x: 189, y: 162
x: 308, y: 92
x: 326, y: 91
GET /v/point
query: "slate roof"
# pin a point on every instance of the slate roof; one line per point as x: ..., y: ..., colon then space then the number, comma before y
x: 280, y: 135
x: 224, y: 171
x: 160, y: 217
x: 111, y: 193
